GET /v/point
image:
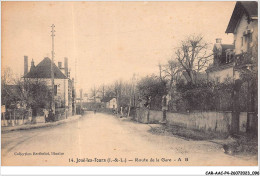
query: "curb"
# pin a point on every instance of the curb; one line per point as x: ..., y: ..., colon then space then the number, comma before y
x: 34, y: 126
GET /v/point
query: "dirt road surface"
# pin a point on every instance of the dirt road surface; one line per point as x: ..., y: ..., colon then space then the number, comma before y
x: 105, y: 140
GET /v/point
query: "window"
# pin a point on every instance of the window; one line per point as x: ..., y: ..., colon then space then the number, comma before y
x: 55, y: 90
x: 249, y: 37
x: 242, y: 41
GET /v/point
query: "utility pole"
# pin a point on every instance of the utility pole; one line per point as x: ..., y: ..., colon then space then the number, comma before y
x: 103, y: 91
x: 75, y: 87
x: 81, y: 97
x: 131, y: 95
x: 52, y: 72
x: 95, y: 93
x: 160, y: 69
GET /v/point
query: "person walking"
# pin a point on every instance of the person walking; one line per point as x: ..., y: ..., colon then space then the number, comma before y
x: 46, y: 114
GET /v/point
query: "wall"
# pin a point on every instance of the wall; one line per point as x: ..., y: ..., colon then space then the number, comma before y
x: 112, y: 102
x: 62, y: 88
x: 221, y: 74
x: 38, y: 119
x: 206, y: 121
x: 241, y: 27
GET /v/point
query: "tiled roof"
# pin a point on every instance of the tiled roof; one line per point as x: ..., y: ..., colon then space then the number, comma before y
x: 250, y: 8
x: 107, y: 99
x: 43, y: 70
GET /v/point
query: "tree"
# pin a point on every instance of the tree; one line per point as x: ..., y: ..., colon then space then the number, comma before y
x: 8, y: 95
x: 150, y: 88
x: 171, y: 74
x: 34, y: 93
x: 193, y: 55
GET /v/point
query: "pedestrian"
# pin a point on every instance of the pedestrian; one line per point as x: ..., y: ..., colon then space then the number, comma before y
x: 46, y: 114
x: 121, y: 112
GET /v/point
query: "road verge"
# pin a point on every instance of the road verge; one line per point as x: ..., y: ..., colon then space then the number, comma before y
x: 39, y: 125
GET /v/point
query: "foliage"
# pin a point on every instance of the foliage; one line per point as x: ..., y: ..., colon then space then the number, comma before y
x: 121, y: 90
x: 204, y: 96
x: 35, y: 93
x: 151, y: 88
x: 26, y: 93
x: 8, y: 96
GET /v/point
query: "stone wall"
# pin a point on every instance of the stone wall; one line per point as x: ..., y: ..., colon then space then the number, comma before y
x: 206, y: 121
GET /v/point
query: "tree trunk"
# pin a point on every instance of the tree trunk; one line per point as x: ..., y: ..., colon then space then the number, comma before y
x: 236, y: 107
x: 148, y: 115
x: 164, y: 115
x: 14, y: 118
x: 190, y: 73
x: 248, y: 107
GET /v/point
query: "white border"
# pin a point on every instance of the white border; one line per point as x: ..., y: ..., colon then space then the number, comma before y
x: 126, y: 170
x: 118, y: 170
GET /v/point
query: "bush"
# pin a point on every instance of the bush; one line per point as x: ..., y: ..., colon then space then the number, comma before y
x: 204, y: 96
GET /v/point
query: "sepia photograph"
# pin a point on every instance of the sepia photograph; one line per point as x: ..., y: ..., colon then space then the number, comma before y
x: 129, y: 83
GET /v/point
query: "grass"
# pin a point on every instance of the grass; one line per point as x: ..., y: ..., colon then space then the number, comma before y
x: 188, y: 134
x: 244, y: 144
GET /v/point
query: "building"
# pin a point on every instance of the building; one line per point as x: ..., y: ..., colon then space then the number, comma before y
x: 110, y: 102
x: 230, y: 58
x: 85, y: 98
x: 94, y: 99
x: 63, y: 85
x: 223, y: 63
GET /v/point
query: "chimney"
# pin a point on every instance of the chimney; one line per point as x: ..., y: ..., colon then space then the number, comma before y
x: 60, y: 65
x: 25, y: 65
x: 66, y: 66
x: 32, y: 65
x: 218, y: 40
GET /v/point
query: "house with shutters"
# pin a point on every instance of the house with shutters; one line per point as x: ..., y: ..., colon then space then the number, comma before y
x: 230, y: 58
x: 63, y: 85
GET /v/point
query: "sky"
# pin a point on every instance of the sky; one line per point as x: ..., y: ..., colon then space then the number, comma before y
x: 107, y: 41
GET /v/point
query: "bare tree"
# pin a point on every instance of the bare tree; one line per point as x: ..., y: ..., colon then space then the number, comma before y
x: 6, y: 79
x: 193, y: 55
x: 171, y: 73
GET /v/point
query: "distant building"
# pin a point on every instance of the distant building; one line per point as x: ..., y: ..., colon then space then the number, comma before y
x: 223, y: 64
x: 85, y: 98
x: 228, y: 58
x: 63, y: 85
x: 94, y: 99
x: 110, y: 102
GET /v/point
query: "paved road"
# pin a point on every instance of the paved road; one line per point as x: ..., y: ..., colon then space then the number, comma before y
x: 100, y: 139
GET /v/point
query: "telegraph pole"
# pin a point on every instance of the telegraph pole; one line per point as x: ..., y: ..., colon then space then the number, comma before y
x: 52, y: 72
x: 75, y: 87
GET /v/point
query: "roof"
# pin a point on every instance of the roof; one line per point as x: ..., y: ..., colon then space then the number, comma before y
x: 43, y: 70
x: 222, y: 48
x: 107, y: 99
x: 221, y: 67
x: 227, y: 46
x: 250, y: 8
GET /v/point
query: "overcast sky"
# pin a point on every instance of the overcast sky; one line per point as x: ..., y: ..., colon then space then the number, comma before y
x: 109, y: 40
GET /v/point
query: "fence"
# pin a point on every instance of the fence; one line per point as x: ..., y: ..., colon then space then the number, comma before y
x: 205, y: 121
x: 14, y: 117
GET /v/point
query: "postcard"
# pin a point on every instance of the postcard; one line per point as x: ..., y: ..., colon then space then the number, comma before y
x: 129, y: 83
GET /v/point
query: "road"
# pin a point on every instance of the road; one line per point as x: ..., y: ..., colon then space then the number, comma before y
x: 105, y: 140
